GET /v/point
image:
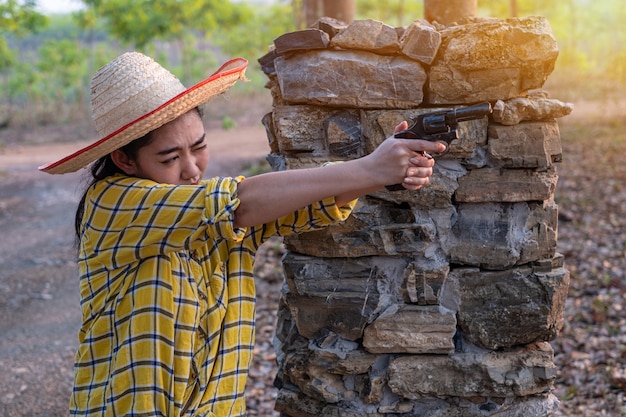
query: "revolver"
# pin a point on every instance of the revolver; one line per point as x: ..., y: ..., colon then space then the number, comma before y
x: 440, y: 126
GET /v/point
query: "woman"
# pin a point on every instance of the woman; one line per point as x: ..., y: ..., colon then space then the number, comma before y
x: 166, y: 257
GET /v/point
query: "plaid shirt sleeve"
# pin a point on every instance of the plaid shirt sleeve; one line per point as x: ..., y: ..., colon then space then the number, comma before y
x: 128, y: 219
x: 313, y: 217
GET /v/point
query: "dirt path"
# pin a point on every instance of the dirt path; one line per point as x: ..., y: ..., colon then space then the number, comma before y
x: 39, y: 303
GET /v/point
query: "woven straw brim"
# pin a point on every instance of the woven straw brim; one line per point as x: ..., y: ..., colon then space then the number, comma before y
x: 224, y: 78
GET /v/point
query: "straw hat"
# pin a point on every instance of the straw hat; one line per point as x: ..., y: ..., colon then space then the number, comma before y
x: 133, y: 95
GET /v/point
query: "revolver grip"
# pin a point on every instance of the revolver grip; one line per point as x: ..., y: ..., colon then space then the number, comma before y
x: 394, y: 187
x: 443, y: 137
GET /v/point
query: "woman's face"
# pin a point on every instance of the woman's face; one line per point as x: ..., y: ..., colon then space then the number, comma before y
x: 176, y: 154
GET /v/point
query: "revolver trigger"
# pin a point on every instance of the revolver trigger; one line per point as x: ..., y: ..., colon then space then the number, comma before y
x: 406, y: 134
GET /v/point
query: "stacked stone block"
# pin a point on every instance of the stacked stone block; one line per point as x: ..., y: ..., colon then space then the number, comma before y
x: 440, y: 302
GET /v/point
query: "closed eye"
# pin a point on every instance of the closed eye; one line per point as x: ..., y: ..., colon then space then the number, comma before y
x: 170, y: 160
x: 199, y: 147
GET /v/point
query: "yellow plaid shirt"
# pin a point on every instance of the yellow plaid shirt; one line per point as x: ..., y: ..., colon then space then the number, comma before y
x: 168, y: 297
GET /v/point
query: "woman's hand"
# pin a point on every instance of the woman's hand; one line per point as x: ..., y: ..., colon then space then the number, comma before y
x: 404, y: 161
x: 268, y: 196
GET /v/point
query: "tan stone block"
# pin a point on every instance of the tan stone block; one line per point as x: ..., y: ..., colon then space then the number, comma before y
x: 420, y: 41
x: 351, y: 79
x: 412, y: 329
x: 501, y: 235
x: 525, y: 145
x: 497, y: 309
x: 492, y: 59
x: 330, y: 25
x: 506, y: 185
x: 534, y: 108
x: 299, y: 129
x: 477, y: 374
x: 306, y: 39
x: 369, y: 35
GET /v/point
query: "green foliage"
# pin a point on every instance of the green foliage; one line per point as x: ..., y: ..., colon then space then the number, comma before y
x: 22, y: 79
x: 392, y: 12
x: 20, y: 17
x: 591, y: 34
x: 191, y: 37
x: 57, y: 78
x: 258, y: 167
x: 616, y: 67
x: 61, y: 66
x: 16, y: 19
x: 195, y: 61
x: 8, y: 57
x: 252, y: 37
x: 228, y: 123
x: 47, y: 80
x: 138, y: 23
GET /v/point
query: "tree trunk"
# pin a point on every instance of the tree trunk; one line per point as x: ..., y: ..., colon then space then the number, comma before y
x: 313, y: 10
x: 344, y: 10
x: 449, y: 11
x: 513, y: 8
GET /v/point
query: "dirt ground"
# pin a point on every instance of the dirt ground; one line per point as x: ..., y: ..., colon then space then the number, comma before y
x: 39, y: 311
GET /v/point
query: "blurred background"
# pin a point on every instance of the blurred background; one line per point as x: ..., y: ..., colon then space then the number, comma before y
x: 50, y: 48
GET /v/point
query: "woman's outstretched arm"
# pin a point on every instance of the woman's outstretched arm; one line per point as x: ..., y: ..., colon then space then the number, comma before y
x: 266, y: 197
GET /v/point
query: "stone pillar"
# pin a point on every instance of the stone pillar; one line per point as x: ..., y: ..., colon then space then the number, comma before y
x: 446, y: 12
x: 436, y: 302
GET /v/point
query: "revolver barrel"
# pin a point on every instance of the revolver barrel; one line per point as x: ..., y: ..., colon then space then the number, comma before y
x: 438, y: 122
x: 441, y: 125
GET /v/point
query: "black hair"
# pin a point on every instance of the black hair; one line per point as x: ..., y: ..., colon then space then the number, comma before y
x: 103, y: 168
